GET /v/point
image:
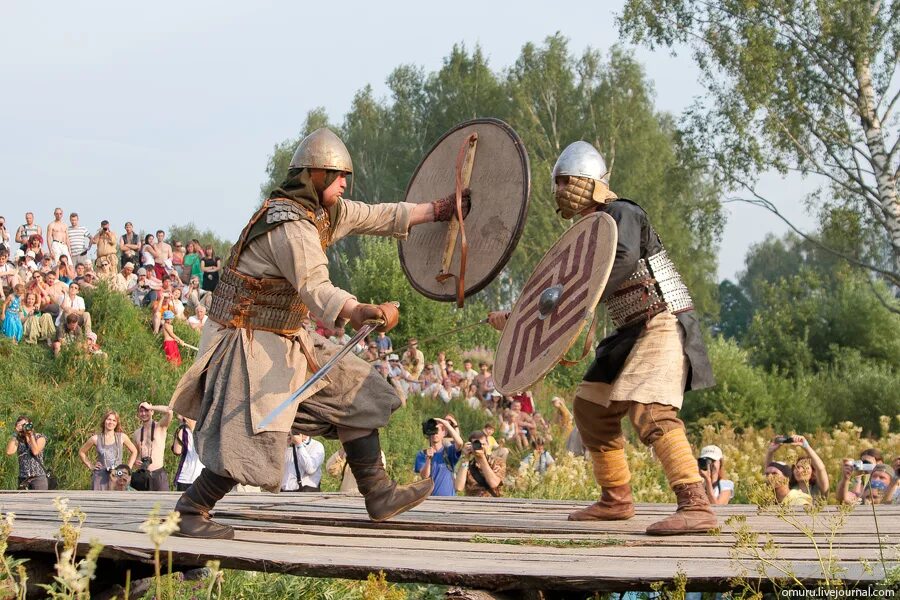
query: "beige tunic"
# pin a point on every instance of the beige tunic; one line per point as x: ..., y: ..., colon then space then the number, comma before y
x: 276, y: 365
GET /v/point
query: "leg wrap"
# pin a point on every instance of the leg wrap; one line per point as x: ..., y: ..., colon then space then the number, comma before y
x: 610, y: 468
x: 208, y: 489
x: 674, y: 452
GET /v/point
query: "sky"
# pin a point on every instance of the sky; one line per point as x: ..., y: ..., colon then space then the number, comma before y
x: 167, y: 112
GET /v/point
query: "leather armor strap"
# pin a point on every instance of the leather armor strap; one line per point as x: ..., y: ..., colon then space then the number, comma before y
x: 464, y: 243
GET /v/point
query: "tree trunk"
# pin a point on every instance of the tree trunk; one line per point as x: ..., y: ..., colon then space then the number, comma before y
x: 884, y: 174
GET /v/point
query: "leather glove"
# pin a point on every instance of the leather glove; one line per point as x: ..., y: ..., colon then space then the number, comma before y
x: 445, y: 208
x: 366, y: 312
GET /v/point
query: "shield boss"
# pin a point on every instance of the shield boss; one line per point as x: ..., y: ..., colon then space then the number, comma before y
x: 556, y: 303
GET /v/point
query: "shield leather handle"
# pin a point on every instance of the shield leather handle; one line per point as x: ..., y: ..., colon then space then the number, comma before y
x: 588, y: 341
x: 465, y: 160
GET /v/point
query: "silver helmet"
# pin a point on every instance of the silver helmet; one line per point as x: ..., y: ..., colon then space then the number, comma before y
x: 587, y: 179
x: 322, y: 149
x: 580, y: 159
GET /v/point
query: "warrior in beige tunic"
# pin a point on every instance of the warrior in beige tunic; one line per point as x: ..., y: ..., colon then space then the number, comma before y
x: 254, y: 350
x: 643, y: 368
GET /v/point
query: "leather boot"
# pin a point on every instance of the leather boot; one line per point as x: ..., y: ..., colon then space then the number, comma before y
x: 384, y: 498
x: 693, y: 514
x: 195, y: 504
x: 616, y: 504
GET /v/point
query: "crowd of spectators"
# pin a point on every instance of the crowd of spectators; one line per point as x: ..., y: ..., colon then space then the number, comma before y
x: 43, y: 274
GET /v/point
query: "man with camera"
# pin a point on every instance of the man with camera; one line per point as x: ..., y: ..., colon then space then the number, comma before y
x: 120, y: 479
x: 107, y: 245
x: 482, y: 474
x: 150, y: 439
x: 29, y: 445
x: 850, y: 488
x: 437, y: 461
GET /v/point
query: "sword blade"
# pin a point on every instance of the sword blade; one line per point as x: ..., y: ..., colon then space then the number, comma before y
x: 323, y: 370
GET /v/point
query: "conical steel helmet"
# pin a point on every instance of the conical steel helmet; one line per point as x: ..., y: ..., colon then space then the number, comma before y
x: 322, y: 149
x: 580, y: 159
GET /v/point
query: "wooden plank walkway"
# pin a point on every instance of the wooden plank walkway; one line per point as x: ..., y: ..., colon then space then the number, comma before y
x: 455, y: 541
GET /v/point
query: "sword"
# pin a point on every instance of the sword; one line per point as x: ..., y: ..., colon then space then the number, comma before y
x: 367, y: 328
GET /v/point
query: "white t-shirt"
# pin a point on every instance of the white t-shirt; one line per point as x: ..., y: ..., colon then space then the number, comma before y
x: 310, y: 456
x: 724, y: 485
x: 195, y: 322
x: 192, y: 465
x: 76, y: 303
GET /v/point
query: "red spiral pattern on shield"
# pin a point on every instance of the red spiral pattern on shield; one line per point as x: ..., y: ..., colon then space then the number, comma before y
x: 533, y: 336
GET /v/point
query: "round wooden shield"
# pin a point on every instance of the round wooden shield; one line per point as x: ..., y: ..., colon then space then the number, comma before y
x: 556, y: 303
x: 500, y: 182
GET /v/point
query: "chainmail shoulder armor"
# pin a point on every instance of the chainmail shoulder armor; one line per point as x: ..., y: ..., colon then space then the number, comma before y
x: 268, y: 304
x: 655, y: 286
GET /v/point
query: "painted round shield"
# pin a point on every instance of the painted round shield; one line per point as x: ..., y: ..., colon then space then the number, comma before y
x: 557, y: 301
x: 491, y: 161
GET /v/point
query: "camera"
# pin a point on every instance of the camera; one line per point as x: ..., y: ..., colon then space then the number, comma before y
x: 784, y: 439
x: 28, y: 426
x: 705, y: 463
x: 145, y: 462
x: 430, y: 427
x: 865, y: 467
x: 477, y: 445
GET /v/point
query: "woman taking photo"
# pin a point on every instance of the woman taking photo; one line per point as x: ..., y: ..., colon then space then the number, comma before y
x: 719, y: 489
x: 29, y: 445
x: 109, y: 444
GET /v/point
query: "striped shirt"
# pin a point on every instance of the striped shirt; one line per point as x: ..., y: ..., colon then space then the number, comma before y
x: 78, y: 240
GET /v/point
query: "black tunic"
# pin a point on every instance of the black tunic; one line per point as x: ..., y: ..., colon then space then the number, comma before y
x: 637, y: 240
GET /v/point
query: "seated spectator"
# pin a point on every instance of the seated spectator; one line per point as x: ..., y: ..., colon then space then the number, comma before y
x: 468, y: 373
x: 29, y: 446
x: 41, y: 290
x: 523, y: 420
x: 541, y: 427
x: 509, y: 430
x: 36, y: 326
x: 189, y: 465
x: 91, y: 345
x: 539, y: 459
x: 143, y: 293
x: 473, y: 400
x: 192, y: 295
x: 73, y: 304
x: 807, y: 474
x: 485, y: 381
x: 850, y: 487
x: 892, y: 495
x: 109, y: 442
x: 489, y: 430
x: 69, y: 333
x: 120, y: 479
x: 481, y: 475
x: 719, y: 489
x: 437, y: 461
x: 494, y: 401
x: 429, y: 382
x: 526, y: 402
x: 12, y: 313
x: 777, y: 474
x: 303, y: 460
x: 64, y: 270
x: 178, y: 304
x: 384, y: 344
x: 446, y: 392
x: 452, y: 374
x: 125, y: 280
x: 198, y: 320
x: 9, y: 274
x: 34, y: 245
x: 170, y: 340
x: 56, y: 292
x: 413, y: 360
x: 371, y: 353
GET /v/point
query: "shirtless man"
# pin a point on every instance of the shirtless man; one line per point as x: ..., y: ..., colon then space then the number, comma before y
x: 163, y: 258
x: 58, y: 237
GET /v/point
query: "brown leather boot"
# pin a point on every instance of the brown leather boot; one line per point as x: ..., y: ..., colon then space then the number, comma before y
x: 616, y: 504
x: 384, y: 498
x: 195, y: 504
x: 693, y: 514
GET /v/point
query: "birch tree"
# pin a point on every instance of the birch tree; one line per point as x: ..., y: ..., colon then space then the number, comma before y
x: 795, y: 85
